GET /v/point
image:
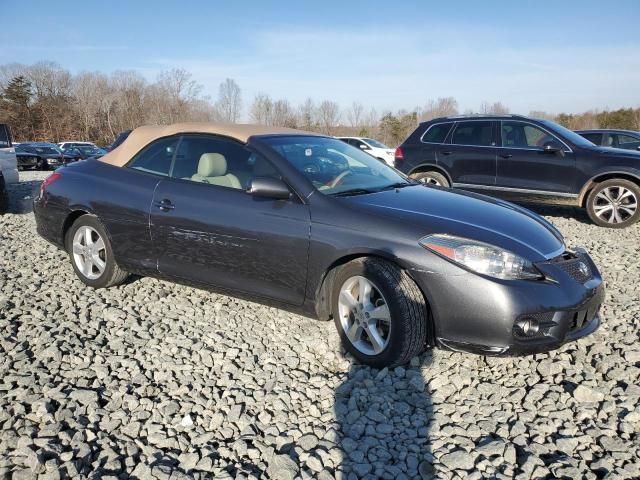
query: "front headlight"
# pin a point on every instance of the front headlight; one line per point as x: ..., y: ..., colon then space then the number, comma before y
x: 481, y: 257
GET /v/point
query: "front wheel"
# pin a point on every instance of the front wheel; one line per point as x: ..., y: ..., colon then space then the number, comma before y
x: 91, y: 254
x: 380, y: 313
x: 614, y: 203
x: 432, y: 178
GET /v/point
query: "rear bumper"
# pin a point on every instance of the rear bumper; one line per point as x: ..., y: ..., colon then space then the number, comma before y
x: 485, y: 316
x: 49, y: 220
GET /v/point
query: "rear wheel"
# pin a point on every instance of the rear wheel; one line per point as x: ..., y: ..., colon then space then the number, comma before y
x: 614, y: 203
x: 91, y: 254
x: 380, y: 312
x: 432, y: 178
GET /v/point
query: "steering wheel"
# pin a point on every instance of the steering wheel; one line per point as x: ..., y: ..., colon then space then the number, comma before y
x: 338, y: 180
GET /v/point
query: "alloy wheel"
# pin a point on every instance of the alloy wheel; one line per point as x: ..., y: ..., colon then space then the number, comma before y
x: 430, y: 181
x: 364, y: 315
x: 615, y: 204
x: 89, y: 252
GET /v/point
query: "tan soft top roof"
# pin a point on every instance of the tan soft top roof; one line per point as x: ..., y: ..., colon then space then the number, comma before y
x: 142, y: 136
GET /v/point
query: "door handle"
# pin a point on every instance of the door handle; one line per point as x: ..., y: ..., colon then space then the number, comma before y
x: 446, y: 153
x: 506, y: 155
x: 165, y: 205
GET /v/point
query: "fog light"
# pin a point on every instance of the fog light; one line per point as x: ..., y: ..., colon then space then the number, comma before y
x: 528, y: 327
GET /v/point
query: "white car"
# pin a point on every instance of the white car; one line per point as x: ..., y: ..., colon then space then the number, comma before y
x: 73, y: 144
x: 372, y: 147
x: 8, y: 161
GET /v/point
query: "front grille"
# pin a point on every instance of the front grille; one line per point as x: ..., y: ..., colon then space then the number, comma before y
x: 574, y: 265
x: 583, y: 317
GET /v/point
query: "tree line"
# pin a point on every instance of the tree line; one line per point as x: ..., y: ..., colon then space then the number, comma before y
x: 45, y: 102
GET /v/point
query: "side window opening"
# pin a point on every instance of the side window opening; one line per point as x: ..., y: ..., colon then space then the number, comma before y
x: 218, y: 161
x: 476, y: 133
x: 437, y: 133
x: 156, y: 158
x: 523, y: 135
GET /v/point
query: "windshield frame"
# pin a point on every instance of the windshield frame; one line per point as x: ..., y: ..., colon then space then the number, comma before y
x: 375, y: 143
x: 566, y: 134
x: 336, y: 152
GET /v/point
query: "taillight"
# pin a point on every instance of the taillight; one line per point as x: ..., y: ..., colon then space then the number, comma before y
x: 398, y: 157
x: 48, y: 181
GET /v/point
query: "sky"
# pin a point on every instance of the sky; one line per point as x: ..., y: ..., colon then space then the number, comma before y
x: 555, y: 56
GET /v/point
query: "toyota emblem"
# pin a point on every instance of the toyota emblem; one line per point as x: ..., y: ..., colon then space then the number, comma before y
x: 584, y: 270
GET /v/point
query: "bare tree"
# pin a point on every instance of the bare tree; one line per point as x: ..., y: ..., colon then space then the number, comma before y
x: 261, y: 109
x: 229, y: 101
x: 180, y: 92
x: 283, y: 114
x: 495, y: 108
x: 88, y: 90
x: 308, y: 115
x: 329, y: 115
x: 541, y: 114
x: 354, y: 114
x: 442, y: 107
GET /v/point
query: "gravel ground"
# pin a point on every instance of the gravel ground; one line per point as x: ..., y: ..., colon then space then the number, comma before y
x: 156, y: 380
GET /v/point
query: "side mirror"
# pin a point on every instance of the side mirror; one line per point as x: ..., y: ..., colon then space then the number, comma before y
x: 638, y: 147
x: 552, y: 147
x: 364, y: 147
x: 269, y: 187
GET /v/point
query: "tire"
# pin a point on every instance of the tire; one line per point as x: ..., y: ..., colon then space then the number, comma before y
x: 405, y: 334
x: 110, y: 274
x: 607, y: 209
x: 432, y: 178
x: 4, y: 196
x: 41, y: 165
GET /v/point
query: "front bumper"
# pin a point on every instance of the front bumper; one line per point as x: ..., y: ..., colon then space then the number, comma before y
x: 27, y: 162
x: 476, y: 314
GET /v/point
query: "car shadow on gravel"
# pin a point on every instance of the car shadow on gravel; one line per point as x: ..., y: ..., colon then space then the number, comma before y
x: 384, y: 417
x: 21, y: 196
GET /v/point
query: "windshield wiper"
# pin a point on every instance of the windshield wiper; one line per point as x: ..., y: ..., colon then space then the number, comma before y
x: 397, y: 185
x: 352, y: 191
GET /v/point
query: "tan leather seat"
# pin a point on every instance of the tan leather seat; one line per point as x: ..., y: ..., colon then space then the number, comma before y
x: 212, y: 168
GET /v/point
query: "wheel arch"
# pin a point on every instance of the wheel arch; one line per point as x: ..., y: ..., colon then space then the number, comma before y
x: 324, y: 291
x: 427, y: 167
x: 70, y: 219
x: 602, y: 177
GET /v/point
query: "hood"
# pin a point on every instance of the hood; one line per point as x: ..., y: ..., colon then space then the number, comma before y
x: 469, y: 215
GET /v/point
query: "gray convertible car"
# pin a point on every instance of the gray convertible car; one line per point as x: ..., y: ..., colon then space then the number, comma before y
x: 316, y: 226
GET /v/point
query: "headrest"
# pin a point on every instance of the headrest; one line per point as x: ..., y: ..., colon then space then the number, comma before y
x: 212, y: 165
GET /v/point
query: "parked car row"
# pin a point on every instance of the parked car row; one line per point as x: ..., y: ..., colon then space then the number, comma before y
x: 49, y: 156
x: 526, y: 160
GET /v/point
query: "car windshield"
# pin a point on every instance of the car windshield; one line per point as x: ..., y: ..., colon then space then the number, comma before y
x: 335, y: 167
x: 45, y: 149
x: 570, y: 135
x: 88, y: 149
x: 375, y: 143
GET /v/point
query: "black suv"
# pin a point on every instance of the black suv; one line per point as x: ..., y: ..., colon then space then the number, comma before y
x: 528, y: 160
